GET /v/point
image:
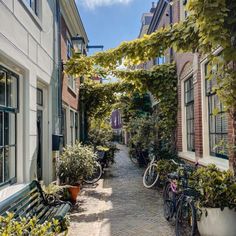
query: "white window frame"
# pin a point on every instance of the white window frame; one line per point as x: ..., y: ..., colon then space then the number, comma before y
x: 221, y: 163
x: 71, y: 85
x: 182, y: 10
x: 185, y: 108
x: 185, y: 153
x: 37, y: 18
x: 71, y: 133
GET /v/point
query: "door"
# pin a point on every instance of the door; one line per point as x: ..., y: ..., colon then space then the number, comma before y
x: 40, y: 144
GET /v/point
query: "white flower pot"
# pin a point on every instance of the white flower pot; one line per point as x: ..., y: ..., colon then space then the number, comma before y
x: 217, y: 222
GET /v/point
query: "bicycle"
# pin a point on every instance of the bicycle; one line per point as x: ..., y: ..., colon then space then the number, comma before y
x: 179, y: 201
x: 138, y: 156
x: 151, y: 175
x: 98, y: 169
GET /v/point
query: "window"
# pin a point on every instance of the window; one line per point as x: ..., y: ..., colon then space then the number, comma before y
x: 39, y: 97
x: 72, y: 125
x: 34, y: 5
x: 160, y: 60
x: 63, y: 126
x: 8, y: 111
x: 217, y: 118
x: 71, y: 82
x: 183, y: 12
x: 69, y: 45
x: 189, y: 107
x: 76, y: 126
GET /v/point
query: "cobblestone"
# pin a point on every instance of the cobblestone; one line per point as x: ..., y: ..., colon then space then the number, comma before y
x: 119, y: 205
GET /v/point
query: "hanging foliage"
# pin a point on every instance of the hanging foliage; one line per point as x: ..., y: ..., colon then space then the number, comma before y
x: 161, y: 81
x: 210, y: 25
x: 133, y: 106
x: 182, y: 36
x: 99, y: 99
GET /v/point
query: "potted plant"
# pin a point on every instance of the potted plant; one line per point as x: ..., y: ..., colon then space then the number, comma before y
x: 75, y: 163
x: 217, y: 201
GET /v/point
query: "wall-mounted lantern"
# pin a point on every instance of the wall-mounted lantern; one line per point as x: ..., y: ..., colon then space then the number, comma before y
x: 78, y: 44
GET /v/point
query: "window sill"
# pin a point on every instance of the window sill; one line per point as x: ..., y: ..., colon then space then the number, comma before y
x: 189, y: 156
x: 8, y: 190
x: 222, y: 164
x: 32, y: 15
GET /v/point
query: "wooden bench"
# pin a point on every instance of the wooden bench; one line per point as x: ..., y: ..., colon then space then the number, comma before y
x: 32, y: 201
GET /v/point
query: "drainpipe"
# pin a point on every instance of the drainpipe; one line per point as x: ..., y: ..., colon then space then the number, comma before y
x: 58, y: 14
x: 171, y: 22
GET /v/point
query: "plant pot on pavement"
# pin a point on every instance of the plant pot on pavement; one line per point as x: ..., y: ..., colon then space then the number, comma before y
x: 215, y: 222
x: 74, y: 191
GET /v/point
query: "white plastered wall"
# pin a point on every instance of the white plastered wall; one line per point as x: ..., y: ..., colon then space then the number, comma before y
x: 27, y: 49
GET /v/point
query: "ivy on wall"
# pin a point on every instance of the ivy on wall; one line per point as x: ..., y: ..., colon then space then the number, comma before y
x: 210, y: 25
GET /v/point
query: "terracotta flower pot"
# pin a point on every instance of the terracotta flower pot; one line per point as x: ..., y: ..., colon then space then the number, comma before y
x: 74, y: 191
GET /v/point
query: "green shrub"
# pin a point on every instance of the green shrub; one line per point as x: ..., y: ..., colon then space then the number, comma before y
x: 27, y: 227
x: 164, y: 167
x: 100, y: 133
x: 110, y: 149
x: 217, y: 188
x: 75, y: 163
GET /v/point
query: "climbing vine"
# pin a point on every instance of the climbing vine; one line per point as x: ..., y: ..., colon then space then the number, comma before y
x: 210, y: 25
x: 99, y: 99
x: 138, y: 50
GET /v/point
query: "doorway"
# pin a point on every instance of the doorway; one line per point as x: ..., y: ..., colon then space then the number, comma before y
x: 40, y: 134
x: 40, y: 144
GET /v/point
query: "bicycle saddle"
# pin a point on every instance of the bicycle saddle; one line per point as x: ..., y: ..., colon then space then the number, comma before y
x: 173, y: 175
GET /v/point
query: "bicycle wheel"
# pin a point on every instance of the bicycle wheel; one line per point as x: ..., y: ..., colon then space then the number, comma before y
x: 186, y: 219
x: 150, y: 176
x: 96, y: 174
x: 169, y: 202
x: 134, y: 158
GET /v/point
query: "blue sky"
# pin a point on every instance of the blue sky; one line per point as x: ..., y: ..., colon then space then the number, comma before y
x: 109, y: 22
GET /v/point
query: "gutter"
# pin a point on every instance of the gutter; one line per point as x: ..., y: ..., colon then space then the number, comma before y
x: 59, y: 77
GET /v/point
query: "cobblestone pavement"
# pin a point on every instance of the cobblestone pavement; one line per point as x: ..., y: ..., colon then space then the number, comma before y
x: 119, y: 205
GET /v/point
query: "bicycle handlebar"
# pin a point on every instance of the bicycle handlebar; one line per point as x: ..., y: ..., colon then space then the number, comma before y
x: 175, y: 162
x: 184, y: 166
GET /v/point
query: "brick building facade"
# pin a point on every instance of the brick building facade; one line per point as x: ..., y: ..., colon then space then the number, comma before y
x: 71, y: 26
x: 201, y: 135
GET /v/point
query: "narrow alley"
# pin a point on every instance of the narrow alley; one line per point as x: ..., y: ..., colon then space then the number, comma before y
x: 119, y: 205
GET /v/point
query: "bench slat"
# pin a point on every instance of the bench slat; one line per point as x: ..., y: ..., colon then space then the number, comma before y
x: 30, y: 201
x: 47, y: 214
x: 16, y: 196
x: 27, y: 200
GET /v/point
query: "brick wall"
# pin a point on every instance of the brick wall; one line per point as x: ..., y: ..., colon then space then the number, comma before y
x: 69, y: 96
x: 179, y: 121
x: 198, y: 109
x: 189, y: 64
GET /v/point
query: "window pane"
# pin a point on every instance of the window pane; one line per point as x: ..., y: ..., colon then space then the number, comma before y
x: 33, y: 4
x: 2, y: 88
x: 76, y: 125
x: 9, y: 129
x: 1, y: 129
x: 1, y: 165
x: 218, y: 123
x: 63, y: 129
x: 71, y: 118
x: 9, y: 163
x: 12, y: 91
x: 224, y: 123
x: 71, y: 81
x: 218, y: 127
x: 212, y: 124
x: 210, y: 102
x: 39, y: 97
